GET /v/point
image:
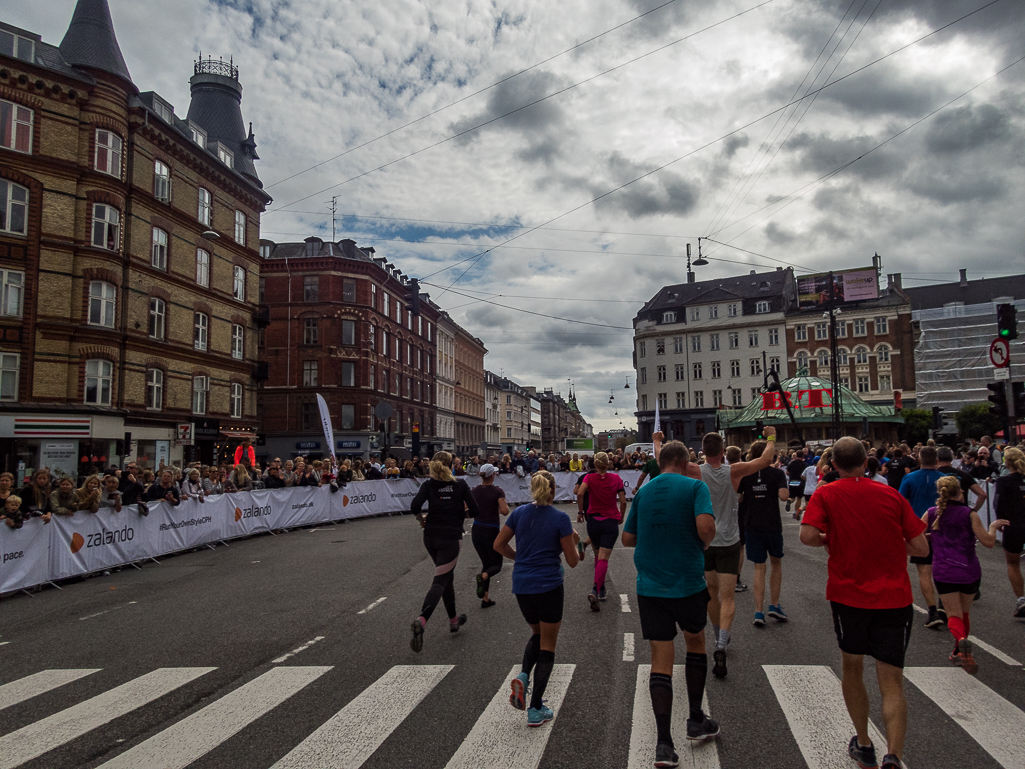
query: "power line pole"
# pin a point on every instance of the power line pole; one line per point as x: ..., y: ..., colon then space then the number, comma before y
x: 334, y: 210
x: 834, y: 367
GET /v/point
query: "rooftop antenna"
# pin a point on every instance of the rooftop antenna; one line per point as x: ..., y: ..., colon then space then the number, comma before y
x: 334, y: 210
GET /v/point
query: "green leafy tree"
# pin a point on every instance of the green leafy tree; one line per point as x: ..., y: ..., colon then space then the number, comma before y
x: 974, y: 421
x: 917, y: 423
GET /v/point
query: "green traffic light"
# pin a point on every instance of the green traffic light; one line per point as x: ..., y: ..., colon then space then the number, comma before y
x: 1005, y: 332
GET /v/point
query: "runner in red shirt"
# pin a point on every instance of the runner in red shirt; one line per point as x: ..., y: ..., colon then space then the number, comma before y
x: 606, y: 506
x: 869, y: 530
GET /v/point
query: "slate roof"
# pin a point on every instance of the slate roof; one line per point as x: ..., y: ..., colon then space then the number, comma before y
x: 759, y: 285
x: 976, y: 292
x: 90, y: 40
x: 216, y: 107
x: 343, y: 249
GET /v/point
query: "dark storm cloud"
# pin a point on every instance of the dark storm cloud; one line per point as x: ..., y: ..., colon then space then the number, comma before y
x: 968, y: 128
x: 821, y: 153
x: 666, y: 192
x: 734, y: 143
x: 956, y: 186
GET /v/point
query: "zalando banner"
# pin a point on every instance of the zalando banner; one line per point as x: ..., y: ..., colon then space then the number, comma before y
x: 26, y: 553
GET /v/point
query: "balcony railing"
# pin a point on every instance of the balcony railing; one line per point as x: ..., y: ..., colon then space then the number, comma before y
x: 217, y: 67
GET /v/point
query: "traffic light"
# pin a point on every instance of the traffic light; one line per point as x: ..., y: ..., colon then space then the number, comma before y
x: 1007, y: 321
x: 937, y: 418
x: 1018, y: 398
x: 413, y: 296
x: 759, y: 429
x: 998, y: 399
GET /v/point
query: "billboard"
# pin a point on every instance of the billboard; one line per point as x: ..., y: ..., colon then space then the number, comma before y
x: 848, y: 285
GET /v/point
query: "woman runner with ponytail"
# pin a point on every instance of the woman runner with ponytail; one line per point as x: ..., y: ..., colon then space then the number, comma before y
x: 542, y: 533
x: 605, y: 510
x: 449, y: 502
x: 953, y: 528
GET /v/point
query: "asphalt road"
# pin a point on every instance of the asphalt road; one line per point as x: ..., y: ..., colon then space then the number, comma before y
x: 211, y: 635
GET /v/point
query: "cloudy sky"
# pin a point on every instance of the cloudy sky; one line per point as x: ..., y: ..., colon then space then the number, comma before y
x: 688, y: 99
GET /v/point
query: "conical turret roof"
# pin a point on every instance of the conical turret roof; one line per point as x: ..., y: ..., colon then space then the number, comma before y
x: 90, y: 40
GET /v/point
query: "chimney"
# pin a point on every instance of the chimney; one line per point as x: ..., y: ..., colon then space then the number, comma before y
x: 964, y: 277
x: 894, y: 281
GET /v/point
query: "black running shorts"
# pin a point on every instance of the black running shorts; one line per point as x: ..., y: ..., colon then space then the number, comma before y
x: 541, y: 607
x: 603, y: 533
x: 969, y: 588
x: 724, y: 559
x: 880, y: 633
x: 923, y: 560
x: 1014, y: 540
x: 660, y: 616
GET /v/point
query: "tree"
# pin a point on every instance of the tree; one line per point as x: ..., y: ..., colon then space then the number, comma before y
x: 917, y: 423
x: 974, y: 421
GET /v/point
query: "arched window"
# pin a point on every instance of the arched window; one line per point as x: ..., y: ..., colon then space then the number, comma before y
x: 841, y: 356
x: 102, y: 301
x: 861, y: 354
x: 802, y: 359
x: 823, y: 358
x: 883, y: 353
x: 99, y: 375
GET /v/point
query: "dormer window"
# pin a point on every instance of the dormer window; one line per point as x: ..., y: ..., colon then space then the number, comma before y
x: 16, y: 46
x: 761, y: 307
x: 669, y: 317
x: 226, y: 156
x: 198, y: 135
x: 164, y: 110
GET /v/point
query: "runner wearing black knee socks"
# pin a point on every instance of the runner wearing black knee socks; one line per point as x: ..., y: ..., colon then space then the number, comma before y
x: 491, y: 504
x: 449, y: 502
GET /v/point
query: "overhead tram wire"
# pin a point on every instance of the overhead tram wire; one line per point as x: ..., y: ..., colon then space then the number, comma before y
x: 655, y: 170
x: 475, y: 93
x: 523, y: 107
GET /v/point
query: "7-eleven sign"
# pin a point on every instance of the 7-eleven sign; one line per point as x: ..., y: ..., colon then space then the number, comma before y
x: 184, y: 433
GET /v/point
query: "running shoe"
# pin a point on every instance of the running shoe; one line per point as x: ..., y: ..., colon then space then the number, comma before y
x: 968, y: 663
x: 453, y: 627
x: 592, y: 598
x: 486, y: 604
x: 955, y: 658
x: 933, y: 620
x: 702, y: 730
x: 789, y: 503
x: 890, y: 761
x: 719, y: 668
x: 602, y: 595
x: 539, y: 716
x: 518, y: 697
x: 759, y: 619
x: 665, y: 755
x: 866, y: 757
x: 942, y: 614
x: 740, y: 588
x: 777, y: 613
x: 417, y: 642
x: 481, y: 586
x: 1019, y: 608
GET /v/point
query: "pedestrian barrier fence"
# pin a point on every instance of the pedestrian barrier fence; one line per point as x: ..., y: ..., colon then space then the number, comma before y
x: 87, y: 542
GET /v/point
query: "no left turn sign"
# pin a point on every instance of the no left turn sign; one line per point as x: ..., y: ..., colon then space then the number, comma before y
x: 1000, y: 353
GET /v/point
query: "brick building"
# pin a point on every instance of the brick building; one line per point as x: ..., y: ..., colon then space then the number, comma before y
x: 469, y: 391
x: 341, y: 325
x: 127, y: 256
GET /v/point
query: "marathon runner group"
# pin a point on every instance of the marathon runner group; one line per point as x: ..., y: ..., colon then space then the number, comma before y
x: 691, y: 525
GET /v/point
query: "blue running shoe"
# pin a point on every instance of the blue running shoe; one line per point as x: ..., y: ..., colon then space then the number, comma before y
x: 539, y: 716
x: 759, y: 619
x: 602, y: 595
x: 518, y: 698
x: 864, y: 756
x: 777, y: 613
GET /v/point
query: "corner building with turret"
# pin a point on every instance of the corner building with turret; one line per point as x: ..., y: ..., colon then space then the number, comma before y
x: 129, y: 262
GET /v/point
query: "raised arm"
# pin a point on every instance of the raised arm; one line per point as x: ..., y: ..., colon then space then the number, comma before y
x: 742, y: 469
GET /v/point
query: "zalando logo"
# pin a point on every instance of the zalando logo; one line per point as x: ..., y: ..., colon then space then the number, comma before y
x: 251, y: 512
x: 358, y: 499
x: 100, y: 538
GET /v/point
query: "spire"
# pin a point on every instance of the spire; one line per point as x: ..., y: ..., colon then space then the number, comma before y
x: 90, y: 40
x: 216, y: 107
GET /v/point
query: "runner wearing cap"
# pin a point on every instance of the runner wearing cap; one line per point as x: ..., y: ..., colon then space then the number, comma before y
x: 491, y: 504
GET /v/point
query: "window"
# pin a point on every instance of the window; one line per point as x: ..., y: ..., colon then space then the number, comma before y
x: 157, y: 317
x: 202, y: 268
x: 200, y: 388
x: 419, y: 358
x: 695, y: 313
x: 881, y: 327
x: 205, y: 207
x: 98, y: 377
x: 161, y: 182
x: 695, y: 343
x: 311, y: 331
x: 845, y: 382
x: 200, y: 329
x: 860, y: 327
x: 697, y: 370
x: 861, y: 355
x: 225, y: 156
x: 822, y: 330
x: 158, y: 255
x: 508, y: 432
x: 713, y: 342
x: 102, y: 302
x: 660, y: 346
x: 641, y: 349
x: 240, y: 228
x: 409, y: 387
x: 429, y: 332
x: 261, y: 338
x: 802, y: 360
x: 238, y: 341
x: 677, y: 344
x: 731, y: 310
x: 699, y: 399
x: 13, y: 208
x: 398, y: 349
x: 663, y: 401
x: 716, y: 370
x: 737, y: 397
x: 154, y: 389
x: 309, y: 373
x: 348, y: 332
x: 755, y: 392
x: 752, y: 338
x: 644, y: 377
x: 398, y: 384
x: 761, y: 307
x: 508, y: 400
x: 398, y: 312
x: 348, y: 416
x: 17, y: 46
x: 239, y: 283
x: 15, y: 126
x: 349, y: 375
x: 309, y: 416
x: 883, y: 353
x: 349, y: 291
x: 841, y: 356
x: 841, y: 329
x: 716, y: 398
x: 681, y: 372
x: 10, y: 365
x: 236, y: 400
x: 409, y: 354
x: 885, y: 383
x: 661, y: 371
x: 734, y: 340
x: 681, y: 400
x: 311, y: 288
x: 669, y: 317
x: 801, y: 332
x: 266, y: 249
x: 774, y: 364
x: 734, y: 368
x: 773, y: 336
x: 387, y: 305
x: 823, y: 360
x: 106, y: 226
x: 108, y: 153
x: 12, y: 293
x: 165, y: 111
x: 863, y: 384
x: 756, y: 367
x: 644, y: 402
x: 198, y: 135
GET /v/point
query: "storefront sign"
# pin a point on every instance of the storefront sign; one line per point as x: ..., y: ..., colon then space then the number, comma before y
x: 349, y: 444
x: 59, y: 458
x: 849, y: 286
x: 207, y: 430
x: 806, y: 399
x: 307, y: 445
x: 51, y: 427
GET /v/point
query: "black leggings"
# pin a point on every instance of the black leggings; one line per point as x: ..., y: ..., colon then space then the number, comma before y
x: 484, y: 543
x: 444, y: 553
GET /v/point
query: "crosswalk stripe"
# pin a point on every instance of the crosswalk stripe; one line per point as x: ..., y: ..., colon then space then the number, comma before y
x: 39, y: 683
x: 349, y: 738
x: 195, y: 736
x: 990, y: 720
x: 37, y: 738
x: 1007, y: 660
x: 501, y: 738
x: 813, y: 704
x: 702, y: 755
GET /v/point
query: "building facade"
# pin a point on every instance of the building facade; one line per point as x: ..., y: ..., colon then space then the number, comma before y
x: 469, y: 391
x: 514, y: 411
x: 127, y: 256
x: 560, y: 420
x: 342, y: 326
x: 446, y: 382
x: 492, y: 413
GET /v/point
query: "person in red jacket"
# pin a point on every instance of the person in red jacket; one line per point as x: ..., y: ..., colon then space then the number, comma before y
x: 245, y: 451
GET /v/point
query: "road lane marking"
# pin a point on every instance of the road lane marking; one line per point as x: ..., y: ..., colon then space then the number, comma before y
x: 4, y: 643
x: 624, y: 603
x: 351, y: 736
x: 501, y: 739
x: 295, y: 651
x: 643, y: 734
x: 628, y: 647
x: 989, y: 719
x: 995, y: 652
x: 42, y: 736
x: 919, y: 609
x: 192, y: 738
x: 378, y: 602
x: 107, y: 611
x: 813, y: 704
x: 38, y: 683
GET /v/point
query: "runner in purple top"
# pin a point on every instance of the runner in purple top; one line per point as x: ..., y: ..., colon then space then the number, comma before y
x: 952, y: 529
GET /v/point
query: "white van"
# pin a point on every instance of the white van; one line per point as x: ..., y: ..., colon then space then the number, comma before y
x: 645, y: 447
